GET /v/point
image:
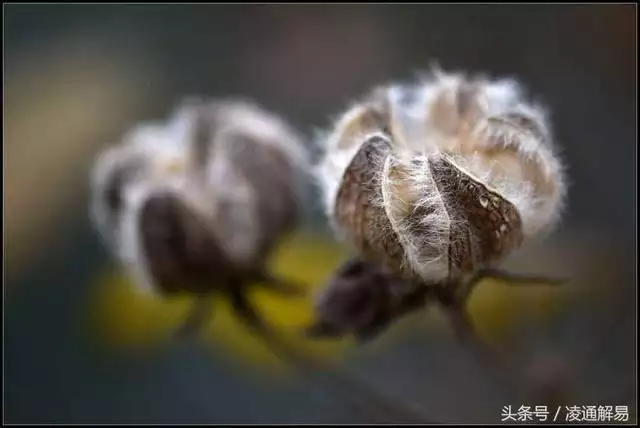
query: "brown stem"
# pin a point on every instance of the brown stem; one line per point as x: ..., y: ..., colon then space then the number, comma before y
x: 282, y: 286
x: 492, y: 357
x: 362, y: 397
x: 199, y: 315
x: 465, y: 289
x: 502, y: 366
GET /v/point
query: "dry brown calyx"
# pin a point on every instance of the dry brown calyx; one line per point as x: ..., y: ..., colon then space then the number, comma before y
x: 197, y: 204
x: 440, y: 181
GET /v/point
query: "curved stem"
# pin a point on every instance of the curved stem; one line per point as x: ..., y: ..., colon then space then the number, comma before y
x: 454, y: 298
x: 367, y: 401
x: 199, y: 315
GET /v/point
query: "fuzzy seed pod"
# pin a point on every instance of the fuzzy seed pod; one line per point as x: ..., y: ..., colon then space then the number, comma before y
x: 362, y: 298
x: 201, y: 201
x: 442, y: 178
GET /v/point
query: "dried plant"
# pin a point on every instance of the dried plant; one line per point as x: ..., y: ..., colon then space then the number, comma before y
x: 363, y: 298
x: 434, y: 185
x: 198, y: 204
x: 440, y: 181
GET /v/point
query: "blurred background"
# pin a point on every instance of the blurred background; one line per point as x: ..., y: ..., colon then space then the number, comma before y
x: 81, y: 347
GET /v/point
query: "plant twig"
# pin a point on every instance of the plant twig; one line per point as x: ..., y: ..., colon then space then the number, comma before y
x: 491, y: 357
x: 198, y: 316
x: 359, y: 395
x: 454, y: 298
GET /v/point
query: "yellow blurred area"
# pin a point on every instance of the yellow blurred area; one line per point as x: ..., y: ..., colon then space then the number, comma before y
x: 129, y: 320
x: 62, y: 101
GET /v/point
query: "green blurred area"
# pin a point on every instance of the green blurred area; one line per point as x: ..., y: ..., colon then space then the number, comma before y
x: 77, y: 77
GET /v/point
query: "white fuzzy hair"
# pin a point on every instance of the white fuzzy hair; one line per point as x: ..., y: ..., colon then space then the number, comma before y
x: 485, y: 141
x: 164, y: 149
x: 248, y: 118
x: 339, y: 150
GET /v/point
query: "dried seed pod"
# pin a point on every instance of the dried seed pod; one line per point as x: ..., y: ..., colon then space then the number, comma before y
x: 443, y: 178
x: 199, y: 203
x: 362, y: 298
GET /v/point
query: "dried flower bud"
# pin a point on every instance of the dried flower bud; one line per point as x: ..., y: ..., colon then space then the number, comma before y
x: 363, y: 299
x: 199, y: 202
x: 440, y: 179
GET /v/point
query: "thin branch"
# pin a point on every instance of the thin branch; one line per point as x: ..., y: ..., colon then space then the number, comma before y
x: 359, y: 395
x: 502, y: 365
x: 200, y: 313
x: 282, y: 286
x: 495, y: 359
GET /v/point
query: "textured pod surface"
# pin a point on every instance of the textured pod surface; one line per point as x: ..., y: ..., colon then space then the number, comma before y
x: 357, y: 212
x: 196, y: 202
x: 272, y: 176
x: 363, y: 298
x: 178, y: 249
x: 487, y: 228
x: 467, y: 175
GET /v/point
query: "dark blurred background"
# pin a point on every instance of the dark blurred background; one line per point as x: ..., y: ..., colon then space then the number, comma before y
x: 77, y: 77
